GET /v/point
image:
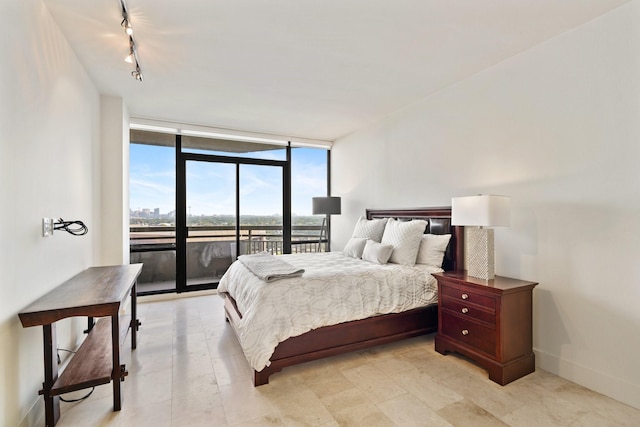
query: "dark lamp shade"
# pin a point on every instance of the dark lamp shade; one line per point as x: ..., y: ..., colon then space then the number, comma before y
x: 326, y: 205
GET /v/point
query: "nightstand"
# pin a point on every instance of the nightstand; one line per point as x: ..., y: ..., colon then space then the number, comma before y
x: 488, y: 321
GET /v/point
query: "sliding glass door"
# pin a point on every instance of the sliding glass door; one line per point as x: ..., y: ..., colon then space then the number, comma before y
x: 228, y: 206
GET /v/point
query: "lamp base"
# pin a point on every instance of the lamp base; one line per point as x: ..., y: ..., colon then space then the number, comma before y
x: 479, y: 253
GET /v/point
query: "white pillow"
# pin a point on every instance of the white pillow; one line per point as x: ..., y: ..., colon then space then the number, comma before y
x: 405, y: 237
x: 354, y: 247
x: 376, y: 252
x: 370, y: 228
x: 432, y: 249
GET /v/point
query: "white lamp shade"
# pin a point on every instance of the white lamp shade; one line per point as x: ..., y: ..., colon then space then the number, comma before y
x: 326, y: 205
x: 482, y: 211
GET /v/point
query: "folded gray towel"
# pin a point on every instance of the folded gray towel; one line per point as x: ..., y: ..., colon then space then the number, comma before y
x: 269, y: 267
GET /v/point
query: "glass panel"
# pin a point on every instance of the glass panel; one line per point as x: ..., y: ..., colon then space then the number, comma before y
x: 211, y: 220
x: 159, y: 270
x: 152, y: 174
x: 308, y: 179
x: 222, y: 147
x: 261, y: 209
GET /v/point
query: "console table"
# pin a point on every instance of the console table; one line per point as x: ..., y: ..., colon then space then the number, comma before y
x: 95, y: 292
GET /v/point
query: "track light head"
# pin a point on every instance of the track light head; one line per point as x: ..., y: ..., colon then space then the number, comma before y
x: 130, y: 57
x: 127, y: 26
x: 137, y: 74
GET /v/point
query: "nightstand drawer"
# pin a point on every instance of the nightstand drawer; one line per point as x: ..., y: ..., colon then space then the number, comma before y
x: 463, y: 294
x: 469, y: 333
x: 465, y: 309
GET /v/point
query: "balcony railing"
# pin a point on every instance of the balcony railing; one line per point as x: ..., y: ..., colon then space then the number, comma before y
x: 210, y: 250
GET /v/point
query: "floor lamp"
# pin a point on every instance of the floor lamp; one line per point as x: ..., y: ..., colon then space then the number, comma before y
x: 325, y: 206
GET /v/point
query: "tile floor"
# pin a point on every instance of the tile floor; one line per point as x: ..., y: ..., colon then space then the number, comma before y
x: 189, y: 370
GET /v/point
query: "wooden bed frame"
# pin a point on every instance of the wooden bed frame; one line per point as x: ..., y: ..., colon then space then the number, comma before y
x: 359, y: 334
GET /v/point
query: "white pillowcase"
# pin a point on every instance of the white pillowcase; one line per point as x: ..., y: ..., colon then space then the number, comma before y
x: 405, y: 238
x: 432, y: 249
x: 370, y: 228
x: 354, y: 247
x: 376, y: 252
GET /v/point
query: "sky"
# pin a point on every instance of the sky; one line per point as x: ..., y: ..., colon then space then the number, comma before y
x: 211, y: 186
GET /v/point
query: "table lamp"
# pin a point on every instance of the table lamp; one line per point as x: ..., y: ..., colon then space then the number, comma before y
x: 480, y: 211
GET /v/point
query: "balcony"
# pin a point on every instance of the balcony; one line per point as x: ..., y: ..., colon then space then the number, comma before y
x: 210, y: 251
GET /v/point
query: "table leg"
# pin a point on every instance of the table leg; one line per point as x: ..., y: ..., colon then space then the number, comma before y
x: 117, y: 369
x: 51, y: 403
x: 134, y: 316
x: 90, y: 324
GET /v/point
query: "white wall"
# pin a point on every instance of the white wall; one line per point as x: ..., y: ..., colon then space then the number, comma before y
x: 114, y: 181
x: 49, y: 136
x: 557, y: 128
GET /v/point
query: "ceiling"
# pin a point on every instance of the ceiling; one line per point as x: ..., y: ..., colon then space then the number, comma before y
x: 301, y: 68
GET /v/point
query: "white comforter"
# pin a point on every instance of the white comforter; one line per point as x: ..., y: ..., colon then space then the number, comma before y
x: 334, y: 289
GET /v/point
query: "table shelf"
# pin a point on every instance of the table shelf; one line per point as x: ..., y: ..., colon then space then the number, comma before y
x: 95, y: 292
x: 91, y: 365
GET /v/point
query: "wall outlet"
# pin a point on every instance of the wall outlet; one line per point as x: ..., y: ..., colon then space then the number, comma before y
x: 47, y: 227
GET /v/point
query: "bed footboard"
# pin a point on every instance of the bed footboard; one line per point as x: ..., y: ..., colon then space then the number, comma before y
x: 342, y: 338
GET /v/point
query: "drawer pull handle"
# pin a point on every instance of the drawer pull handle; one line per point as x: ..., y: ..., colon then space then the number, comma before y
x: 465, y: 332
x: 465, y: 310
x: 465, y: 296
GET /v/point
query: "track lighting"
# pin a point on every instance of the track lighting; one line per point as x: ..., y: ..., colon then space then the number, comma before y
x: 132, y: 57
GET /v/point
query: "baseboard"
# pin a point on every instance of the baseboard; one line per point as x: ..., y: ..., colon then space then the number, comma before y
x: 35, y: 416
x: 173, y: 295
x: 615, y: 388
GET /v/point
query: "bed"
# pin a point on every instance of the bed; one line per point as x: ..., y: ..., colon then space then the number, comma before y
x: 354, y: 335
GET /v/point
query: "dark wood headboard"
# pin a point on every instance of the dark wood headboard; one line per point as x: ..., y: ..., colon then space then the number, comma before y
x: 439, y: 222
